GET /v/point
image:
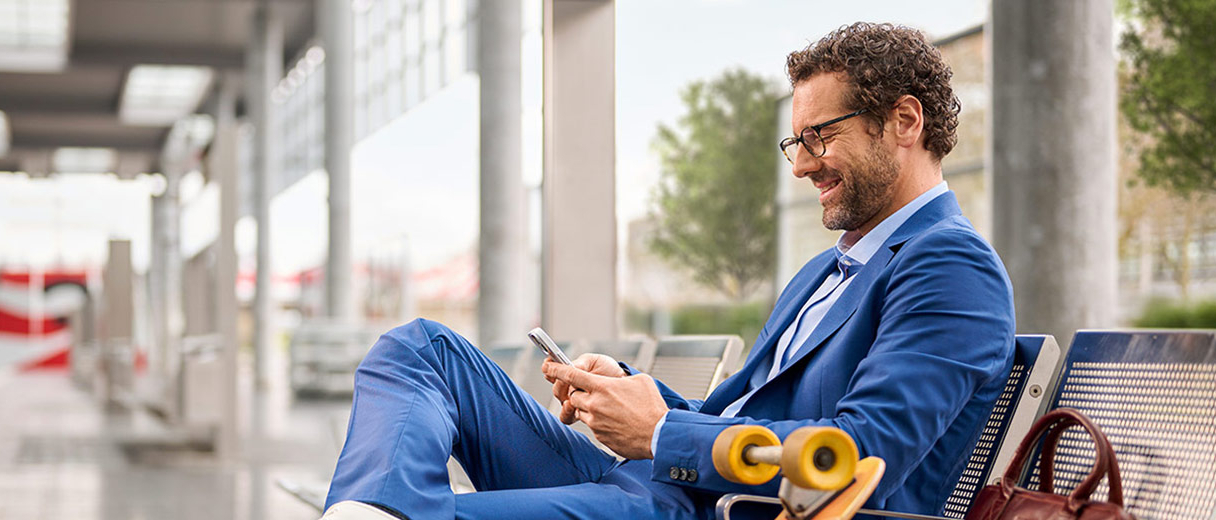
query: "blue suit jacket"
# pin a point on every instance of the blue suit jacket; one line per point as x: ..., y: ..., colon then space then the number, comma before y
x: 909, y: 362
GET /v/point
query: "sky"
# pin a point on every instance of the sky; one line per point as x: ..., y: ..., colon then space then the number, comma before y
x: 415, y: 180
x: 663, y: 45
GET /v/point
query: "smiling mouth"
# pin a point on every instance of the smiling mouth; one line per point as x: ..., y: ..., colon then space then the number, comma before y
x: 827, y: 188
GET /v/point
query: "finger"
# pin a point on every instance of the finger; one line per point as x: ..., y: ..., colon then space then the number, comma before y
x: 543, y: 363
x: 575, y: 377
x: 585, y: 361
x: 604, y: 363
x: 580, y: 399
x: 561, y: 390
x: 569, y: 413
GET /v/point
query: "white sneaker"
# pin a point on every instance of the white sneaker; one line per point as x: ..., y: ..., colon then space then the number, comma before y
x: 351, y: 510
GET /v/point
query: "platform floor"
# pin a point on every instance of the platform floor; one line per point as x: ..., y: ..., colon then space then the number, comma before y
x: 62, y: 456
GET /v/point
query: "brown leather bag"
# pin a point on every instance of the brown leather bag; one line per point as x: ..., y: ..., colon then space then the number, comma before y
x: 1006, y: 501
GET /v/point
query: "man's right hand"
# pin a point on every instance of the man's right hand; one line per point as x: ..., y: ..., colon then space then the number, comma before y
x: 598, y: 364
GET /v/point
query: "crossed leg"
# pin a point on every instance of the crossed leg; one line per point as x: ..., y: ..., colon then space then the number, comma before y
x: 424, y: 392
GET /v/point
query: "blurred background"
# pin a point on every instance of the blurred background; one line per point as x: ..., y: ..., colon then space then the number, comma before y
x: 210, y: 209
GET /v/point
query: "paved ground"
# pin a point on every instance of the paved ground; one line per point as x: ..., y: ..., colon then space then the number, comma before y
x: 63, y: 457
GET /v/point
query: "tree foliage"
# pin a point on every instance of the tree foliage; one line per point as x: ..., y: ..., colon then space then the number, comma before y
x: 715, y: 203
x: 1169, y: 90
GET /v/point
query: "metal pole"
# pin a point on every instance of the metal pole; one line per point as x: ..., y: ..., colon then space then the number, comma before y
x: 172, y: 283
x: 223, y: 166
x: 1053, y: 161
x: 267, y: 64
x: 164, y: 285
x: 502, y: 252
x: 335, y: 28
x: 158, y: 313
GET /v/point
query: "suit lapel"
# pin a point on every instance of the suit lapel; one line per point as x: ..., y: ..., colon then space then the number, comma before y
x: 801, y: 286
x: 844, y: 307
x: 939, y: 208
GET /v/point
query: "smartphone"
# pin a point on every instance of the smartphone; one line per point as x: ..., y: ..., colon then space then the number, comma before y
x: 546, y: 345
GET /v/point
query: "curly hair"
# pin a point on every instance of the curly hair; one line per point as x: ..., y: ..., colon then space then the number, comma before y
x: 884, y: 62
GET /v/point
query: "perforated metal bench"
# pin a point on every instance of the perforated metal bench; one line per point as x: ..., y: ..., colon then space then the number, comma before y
x: 1153, y: 393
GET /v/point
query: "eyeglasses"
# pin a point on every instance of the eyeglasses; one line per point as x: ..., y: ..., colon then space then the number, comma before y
x: 810, y: 139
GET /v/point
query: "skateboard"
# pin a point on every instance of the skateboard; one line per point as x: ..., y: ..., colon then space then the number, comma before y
x: 822, y: 478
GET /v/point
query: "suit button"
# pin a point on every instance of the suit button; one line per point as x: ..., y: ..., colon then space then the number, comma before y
x: 674, y: 473
x: 692, y: 475
x: 683, y: 474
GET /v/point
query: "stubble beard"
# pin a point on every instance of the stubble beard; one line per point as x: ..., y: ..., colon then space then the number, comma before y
x: 865, y: 189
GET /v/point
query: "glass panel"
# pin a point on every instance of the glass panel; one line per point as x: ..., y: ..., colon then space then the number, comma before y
x: 413, y: 34
x: 455, y: 48
x: 454, y: 13
x: 393, y: 47
x: 431, y: 22
x: 411, y: 79
x: 431, y: 71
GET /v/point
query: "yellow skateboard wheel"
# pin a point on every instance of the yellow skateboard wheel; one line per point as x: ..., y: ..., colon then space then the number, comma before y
x: 819, y: 458
x: 728, y: 453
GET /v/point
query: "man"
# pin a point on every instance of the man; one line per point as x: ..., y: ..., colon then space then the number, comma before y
x: 901, y: 335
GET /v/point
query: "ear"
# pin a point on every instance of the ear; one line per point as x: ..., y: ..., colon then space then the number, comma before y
x: 907, y: 121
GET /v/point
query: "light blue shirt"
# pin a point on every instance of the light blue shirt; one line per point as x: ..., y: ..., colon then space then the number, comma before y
x: 849, y: 260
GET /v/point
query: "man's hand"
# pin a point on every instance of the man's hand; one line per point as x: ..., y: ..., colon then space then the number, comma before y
x: 621, y: 411
x: 594, y: 363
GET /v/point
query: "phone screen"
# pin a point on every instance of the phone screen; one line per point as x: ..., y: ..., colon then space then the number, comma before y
x: 546, y: 345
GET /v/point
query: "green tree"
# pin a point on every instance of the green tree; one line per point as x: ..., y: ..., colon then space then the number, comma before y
x: 715, y: 203
x: 1168, y: 89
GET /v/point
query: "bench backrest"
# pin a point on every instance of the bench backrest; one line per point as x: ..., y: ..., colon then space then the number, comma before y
x: 1153, y: 393
x: 638, y: 353
x: 694, y: 365
x: 1024, y: 399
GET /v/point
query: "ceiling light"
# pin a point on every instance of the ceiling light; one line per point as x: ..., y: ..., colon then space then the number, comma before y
x: 158, y: 95
x: 84, y: 160
x: 34, y: 35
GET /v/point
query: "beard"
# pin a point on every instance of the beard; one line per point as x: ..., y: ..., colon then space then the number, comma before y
x: 865, y: 189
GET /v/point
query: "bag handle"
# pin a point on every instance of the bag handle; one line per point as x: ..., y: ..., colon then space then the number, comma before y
x: 1057, y: 421
x: 1101, y: 443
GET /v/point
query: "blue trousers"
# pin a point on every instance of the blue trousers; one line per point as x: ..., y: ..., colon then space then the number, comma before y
x: 424, y: 392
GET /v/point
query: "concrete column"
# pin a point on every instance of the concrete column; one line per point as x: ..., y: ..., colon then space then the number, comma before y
x: 1053, y: 161
x: 157, y: 313
x: 502, y: 252
x: 173, y: 316
x: 335, y: 25
x: 117, y: 327
x: 165, y: 285
x: 223, y: 165
x: 578, y: 284
x: 266, y: 69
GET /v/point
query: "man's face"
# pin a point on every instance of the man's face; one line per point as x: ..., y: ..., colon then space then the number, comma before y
x: 857, y: 173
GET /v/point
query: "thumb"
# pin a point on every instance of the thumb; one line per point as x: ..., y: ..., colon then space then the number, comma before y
x: 580, y: 379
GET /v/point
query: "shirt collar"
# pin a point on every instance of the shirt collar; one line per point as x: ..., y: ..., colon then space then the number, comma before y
x: 865, y: 248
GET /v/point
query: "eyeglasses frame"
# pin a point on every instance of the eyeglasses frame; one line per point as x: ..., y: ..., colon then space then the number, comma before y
x: 789, y: 141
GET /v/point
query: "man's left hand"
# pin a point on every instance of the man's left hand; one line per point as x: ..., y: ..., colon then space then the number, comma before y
x: 621, y: 411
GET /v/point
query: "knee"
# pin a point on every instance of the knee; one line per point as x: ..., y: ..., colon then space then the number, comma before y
x: 419, y: 343
x: 422, y: 331
x: 420, y: 336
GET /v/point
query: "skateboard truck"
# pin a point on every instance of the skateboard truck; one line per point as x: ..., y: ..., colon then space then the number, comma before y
x: 822, y: 476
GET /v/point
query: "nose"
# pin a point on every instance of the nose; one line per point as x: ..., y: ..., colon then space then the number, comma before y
x: 806, y: 164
